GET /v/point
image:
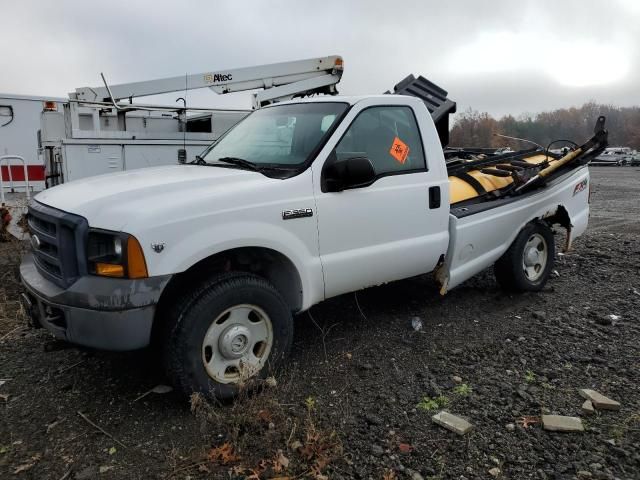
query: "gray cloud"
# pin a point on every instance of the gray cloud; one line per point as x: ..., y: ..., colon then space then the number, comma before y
x: 497, y: 56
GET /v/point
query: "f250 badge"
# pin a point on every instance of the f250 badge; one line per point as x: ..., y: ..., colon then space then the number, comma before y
x: 297, y: 213
x: 580, y: 187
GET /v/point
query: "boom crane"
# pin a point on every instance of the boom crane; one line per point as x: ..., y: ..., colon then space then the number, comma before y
x: 278, y: 81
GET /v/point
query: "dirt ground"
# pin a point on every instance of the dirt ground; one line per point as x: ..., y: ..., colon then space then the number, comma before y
x: 352, y: 402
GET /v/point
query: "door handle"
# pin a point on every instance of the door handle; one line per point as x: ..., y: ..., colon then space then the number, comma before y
x: 434, y: 197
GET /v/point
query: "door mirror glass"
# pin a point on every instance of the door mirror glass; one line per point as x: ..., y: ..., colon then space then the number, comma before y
x: 342, y: 174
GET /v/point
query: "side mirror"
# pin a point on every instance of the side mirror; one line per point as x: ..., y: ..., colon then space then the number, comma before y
x: 345, y: 173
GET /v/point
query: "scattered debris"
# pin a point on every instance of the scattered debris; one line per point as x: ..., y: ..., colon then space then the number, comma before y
x: 161, y: 389
x: 27, y: 466
x: 456, y: 379
x: 105, y: 468
x: 86, y: 419
x: 62, y: 370
x: 112, y: 451
x: 560, y: 423
x: 271, y: 382
x: 223, y: 454
x: 555, y: 273
x: 451, y: 422
x: 280, y: 463
x: 587, y: 407
x: 511, y: 427
x: 527, y: 421
x: 598, y: 400
x: 52, y: 425
x: 415, y: 475
x: 405, y: 448
x: 416, y: 323
x: 495, y: 472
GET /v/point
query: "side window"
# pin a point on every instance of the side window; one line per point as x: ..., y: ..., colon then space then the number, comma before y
x: 388, y: 136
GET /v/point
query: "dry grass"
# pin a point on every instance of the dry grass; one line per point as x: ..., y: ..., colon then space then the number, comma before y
x: 11, y: 314
x: 258, y: 436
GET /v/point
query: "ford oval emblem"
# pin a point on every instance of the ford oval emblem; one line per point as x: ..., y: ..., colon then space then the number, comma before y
x: 35, y: 242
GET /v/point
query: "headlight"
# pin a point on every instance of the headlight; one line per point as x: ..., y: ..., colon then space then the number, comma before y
x: 115, y: 254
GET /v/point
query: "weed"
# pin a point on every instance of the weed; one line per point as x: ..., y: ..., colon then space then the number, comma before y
x: 463, y: 390
x: 530, y: 376
x: 389, y: 475
x: 310, y: 403
x: 428, y: 404
x: 620, y: 430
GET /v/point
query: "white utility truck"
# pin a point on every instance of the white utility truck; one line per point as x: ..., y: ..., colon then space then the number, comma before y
x: 299, y: 202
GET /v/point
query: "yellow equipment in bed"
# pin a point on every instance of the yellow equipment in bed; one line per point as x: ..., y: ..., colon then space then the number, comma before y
x: 461, y: 190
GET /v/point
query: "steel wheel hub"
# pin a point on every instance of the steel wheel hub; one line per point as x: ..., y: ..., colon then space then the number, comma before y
x: 234, y: 341
x: 534, y: 258
x: 237, y: 344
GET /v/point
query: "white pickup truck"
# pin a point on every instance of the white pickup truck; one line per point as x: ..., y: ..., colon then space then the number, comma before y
x: 299, y: 202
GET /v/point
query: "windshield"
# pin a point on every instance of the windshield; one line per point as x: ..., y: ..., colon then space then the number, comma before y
x: 282, y: 135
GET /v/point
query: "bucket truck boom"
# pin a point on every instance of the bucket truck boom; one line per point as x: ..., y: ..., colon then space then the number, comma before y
x: 279, y: 81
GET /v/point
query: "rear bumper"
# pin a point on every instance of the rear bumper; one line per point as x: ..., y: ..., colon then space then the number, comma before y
x: 103, y: 313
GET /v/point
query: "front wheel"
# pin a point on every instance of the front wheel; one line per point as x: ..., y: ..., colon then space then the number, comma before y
x: 527, y: 264
x: 233, y: 330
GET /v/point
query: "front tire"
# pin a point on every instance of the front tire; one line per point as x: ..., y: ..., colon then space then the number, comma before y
x: 527, y: 264
x: 233, y: 330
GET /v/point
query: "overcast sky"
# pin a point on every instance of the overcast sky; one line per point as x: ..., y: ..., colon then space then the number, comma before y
x: 496, y: 56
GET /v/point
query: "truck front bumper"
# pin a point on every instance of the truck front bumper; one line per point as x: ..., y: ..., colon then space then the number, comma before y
x: 97, y: 312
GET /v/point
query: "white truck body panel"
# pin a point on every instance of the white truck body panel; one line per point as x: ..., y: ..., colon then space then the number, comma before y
x: 478, y: 240
x: 395, y: 235
x: 228, y: 208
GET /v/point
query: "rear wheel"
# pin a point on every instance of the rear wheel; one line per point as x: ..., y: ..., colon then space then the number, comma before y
x: 233, y: 330
x: 527, y: 264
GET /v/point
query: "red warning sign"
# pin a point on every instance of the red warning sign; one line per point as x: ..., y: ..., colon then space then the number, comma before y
x: 399, y: 150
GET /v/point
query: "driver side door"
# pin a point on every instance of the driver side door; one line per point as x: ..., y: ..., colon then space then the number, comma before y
x: 386, y: 230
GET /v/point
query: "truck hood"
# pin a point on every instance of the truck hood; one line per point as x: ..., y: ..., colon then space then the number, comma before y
x: 115, y: 200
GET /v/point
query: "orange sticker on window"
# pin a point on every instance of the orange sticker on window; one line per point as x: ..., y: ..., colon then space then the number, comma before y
x: 399, y: 150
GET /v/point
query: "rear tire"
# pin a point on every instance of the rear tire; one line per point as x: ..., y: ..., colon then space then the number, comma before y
x: 231, y: 331
x: 527, y: 264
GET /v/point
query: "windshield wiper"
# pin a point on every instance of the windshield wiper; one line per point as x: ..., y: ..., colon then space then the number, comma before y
x: 256, y: 167
x: 241, y: 162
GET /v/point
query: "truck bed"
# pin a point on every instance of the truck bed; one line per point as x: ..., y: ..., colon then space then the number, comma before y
x: 480, y: 233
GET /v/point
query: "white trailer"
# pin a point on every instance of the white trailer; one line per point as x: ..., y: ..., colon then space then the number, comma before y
x: 19, y: 124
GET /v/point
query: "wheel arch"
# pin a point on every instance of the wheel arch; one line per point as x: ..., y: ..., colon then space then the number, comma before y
x: 273, y: 266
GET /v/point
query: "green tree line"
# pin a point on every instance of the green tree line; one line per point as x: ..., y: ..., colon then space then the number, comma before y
x: 476, y: 129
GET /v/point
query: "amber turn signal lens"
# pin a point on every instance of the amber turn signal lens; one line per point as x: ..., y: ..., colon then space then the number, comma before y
x: 109, y: 270
x: 136, y: 264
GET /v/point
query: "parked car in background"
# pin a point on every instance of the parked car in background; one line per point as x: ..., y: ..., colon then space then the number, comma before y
x: 617, y: 156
